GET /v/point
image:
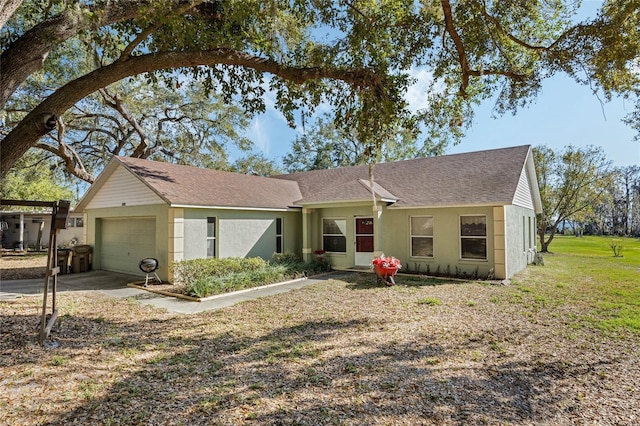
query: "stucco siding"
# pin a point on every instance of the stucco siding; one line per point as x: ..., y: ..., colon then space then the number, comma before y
x: 446, y: 240
x: 240, y: 233
x: 123, y: 189
x: 523, y: 196
x: 520, y: 238
x: 394, y: 237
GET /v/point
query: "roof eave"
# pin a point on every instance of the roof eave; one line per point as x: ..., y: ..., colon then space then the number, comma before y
x: 533, y: 183
x: 212, y: 207
x: 449, y: 206
x: 355, y: 200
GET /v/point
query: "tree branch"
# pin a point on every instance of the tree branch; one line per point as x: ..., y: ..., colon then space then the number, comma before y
x: 27, y: 54
x: 483, y: 10
x: 7, y: 9
x: 31, y: 128
x: 70, y: 158
x: 116, y: 103
x: 457, y: 40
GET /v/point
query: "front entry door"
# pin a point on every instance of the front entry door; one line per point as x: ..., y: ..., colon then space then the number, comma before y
x: 364, y: 241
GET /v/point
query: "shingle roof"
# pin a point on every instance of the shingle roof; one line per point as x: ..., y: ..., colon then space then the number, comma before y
x: 476, y: 178
x: 484, y: 177
x: 185, y: 185
x: 353, y: 190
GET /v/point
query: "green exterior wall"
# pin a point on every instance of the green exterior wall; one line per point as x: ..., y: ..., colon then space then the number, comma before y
x: 446, y: 240
x: 394, y: 239
x: 182, y: 235
x: 241, y: 233
x: 349, y: 213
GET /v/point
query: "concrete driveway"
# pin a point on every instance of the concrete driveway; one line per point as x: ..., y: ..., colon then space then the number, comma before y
x: 115, y: 285
x: 93, y: 280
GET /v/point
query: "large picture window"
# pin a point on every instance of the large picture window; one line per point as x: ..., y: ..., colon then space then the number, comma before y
x: 422, y: 236
x: 334, y: 235
x: 473, y: 237
x: 211, y: 237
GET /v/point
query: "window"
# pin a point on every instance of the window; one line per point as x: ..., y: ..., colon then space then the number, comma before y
x: 334, y: 233
x: 421, y: 236
x: 279, y: 235
x: 473, y: 237
x: 524, y: 234
x: 75, y: 222
x: 211, y: 237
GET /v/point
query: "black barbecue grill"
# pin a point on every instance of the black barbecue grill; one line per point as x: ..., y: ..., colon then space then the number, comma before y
x: 149, y: 265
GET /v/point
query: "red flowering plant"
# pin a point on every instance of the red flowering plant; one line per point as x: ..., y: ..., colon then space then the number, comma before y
x: 318, y: 252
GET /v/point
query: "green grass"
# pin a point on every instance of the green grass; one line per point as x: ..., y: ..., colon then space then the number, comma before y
x: 430, y: 301
x: 584, y: 272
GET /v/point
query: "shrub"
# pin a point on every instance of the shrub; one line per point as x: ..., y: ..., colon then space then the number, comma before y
x: 286, y: 258
x: 617, y: 246
x: 208, y: 286
x: 189, y: 271
x: 205, y: 277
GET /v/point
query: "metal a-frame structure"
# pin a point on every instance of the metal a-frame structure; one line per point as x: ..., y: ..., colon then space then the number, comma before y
x: 59, y: 213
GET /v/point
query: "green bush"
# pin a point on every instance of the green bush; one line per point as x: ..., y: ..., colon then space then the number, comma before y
x: 286, y: 258
x: 205, y: 277
x: 208, y: 286
x: 192, y: 270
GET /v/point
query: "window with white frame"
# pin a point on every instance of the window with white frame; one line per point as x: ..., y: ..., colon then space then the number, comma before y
x: 473, y: 237
x: 211, y: 237
x: 279, y: 235
x: 334, y: 235
x: 421, y: 236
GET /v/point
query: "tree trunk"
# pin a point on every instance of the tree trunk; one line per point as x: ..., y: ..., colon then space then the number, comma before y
x: 544, y: 243
x: 27, y: 54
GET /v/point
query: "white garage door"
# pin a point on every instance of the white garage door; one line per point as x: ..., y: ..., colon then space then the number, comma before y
x: 125, y: 242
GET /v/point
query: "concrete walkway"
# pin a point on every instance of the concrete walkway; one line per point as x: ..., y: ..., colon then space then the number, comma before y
x: 115, y: 285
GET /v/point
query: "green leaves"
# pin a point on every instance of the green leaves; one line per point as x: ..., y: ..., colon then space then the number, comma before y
x: 354, y: 57
x: 33, y: 180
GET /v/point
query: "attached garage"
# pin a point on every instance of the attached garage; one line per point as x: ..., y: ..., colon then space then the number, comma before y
x: 126, y: 241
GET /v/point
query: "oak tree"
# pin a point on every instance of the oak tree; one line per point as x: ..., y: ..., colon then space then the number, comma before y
x: 571, y: 182
x: 355, y: 56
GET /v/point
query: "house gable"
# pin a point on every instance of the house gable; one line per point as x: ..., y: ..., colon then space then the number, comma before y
x: 122, y: 188
x: 523, y: 196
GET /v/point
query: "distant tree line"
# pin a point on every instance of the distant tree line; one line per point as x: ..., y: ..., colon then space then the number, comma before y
x: 582, y: 191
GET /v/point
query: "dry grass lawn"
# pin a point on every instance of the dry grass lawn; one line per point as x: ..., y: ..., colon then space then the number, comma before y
x: 22, y: 265
x: 342, y: 352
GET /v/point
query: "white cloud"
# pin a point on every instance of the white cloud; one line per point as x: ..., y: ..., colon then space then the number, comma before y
x: 416, y: 94
x: 257, y: 133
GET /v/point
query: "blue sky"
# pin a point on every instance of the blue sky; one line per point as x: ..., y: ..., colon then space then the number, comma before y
x: 564, y: 113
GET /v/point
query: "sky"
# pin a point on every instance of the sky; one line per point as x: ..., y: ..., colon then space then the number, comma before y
x: 564, y: 113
